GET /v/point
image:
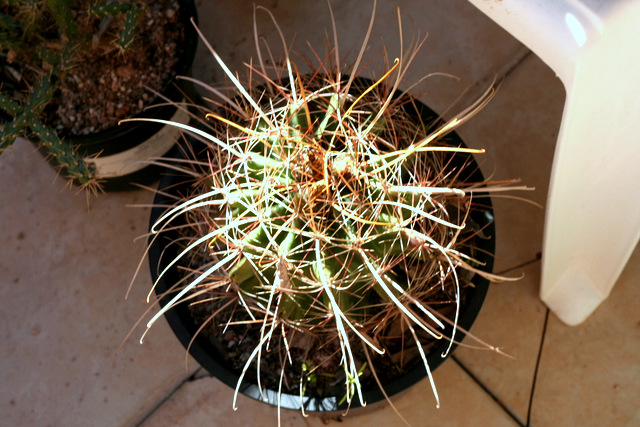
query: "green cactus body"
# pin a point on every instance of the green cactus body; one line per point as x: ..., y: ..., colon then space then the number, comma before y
x: 104, y: 9
x: 64, y: 154
x: 322, y: 222
x: 329, y: 212
x: 130, y: 12
x: 26, y: 121
x: 63, y: 15
x: 128, y: 32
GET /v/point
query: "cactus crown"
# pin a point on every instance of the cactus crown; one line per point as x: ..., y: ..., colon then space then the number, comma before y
x: 329, y: 209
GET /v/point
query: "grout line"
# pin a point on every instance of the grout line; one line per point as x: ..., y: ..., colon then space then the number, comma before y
x: 497, y: 76
x: 517, y: 60
x: 535, y: 372
x: 486, y: 390
x: 522, y: 265
x: 501, y: 74
x: 166, y: 398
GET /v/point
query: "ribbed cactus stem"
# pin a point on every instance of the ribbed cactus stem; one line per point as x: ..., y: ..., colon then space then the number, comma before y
x: 61, y: 10
x: 310, y: 177
x: 10, y: 131
x: 128, y: 33
x: 108, y: 10
x: 75, y: 167
x: 8, y: 105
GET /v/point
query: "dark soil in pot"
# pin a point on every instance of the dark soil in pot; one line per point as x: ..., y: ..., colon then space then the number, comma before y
x: 223, y: 349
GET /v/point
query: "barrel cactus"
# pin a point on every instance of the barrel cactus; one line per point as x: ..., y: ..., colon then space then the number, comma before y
x: 327, y: 215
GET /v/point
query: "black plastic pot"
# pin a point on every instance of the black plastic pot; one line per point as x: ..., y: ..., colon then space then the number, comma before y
x: 122, y: 150
x: 181, y: 321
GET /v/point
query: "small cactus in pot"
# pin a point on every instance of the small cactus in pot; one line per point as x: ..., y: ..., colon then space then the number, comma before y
x: 38, y: 42
x: 327, y: 215
x: 71, y: 70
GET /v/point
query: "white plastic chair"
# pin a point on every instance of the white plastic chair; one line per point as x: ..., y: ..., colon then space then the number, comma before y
x: 593, y: 209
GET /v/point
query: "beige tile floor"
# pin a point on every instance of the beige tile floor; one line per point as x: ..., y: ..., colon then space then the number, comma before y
x: 64, y: 270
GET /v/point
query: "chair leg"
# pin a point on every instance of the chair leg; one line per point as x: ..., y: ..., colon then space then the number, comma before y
x: 593, y: 212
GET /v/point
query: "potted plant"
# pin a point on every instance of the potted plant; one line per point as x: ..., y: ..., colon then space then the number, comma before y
x: 321, y: 240
x: 71, y: 70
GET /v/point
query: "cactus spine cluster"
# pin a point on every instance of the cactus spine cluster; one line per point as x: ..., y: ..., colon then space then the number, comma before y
x: 326, y: 209
x: 327, y: 212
